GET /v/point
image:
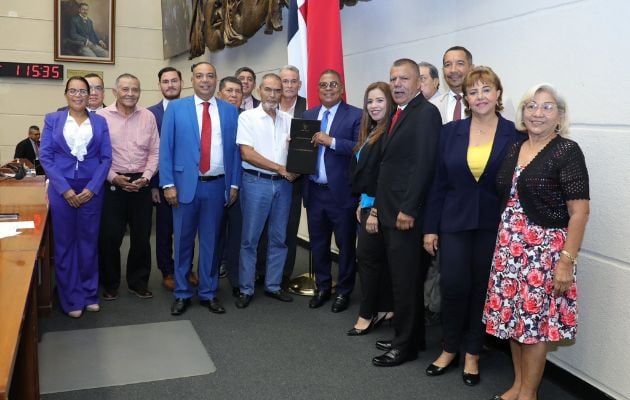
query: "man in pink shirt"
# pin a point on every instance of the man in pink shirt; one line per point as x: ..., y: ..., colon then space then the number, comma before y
x: 135, y: 153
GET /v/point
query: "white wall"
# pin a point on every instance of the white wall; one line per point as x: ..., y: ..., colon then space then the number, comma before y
x: 579, y: 46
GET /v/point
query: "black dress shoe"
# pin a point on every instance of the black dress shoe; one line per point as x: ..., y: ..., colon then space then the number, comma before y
x: 319, y: 299
x: 243, y: 300
x: 434, y: 370
x: 179, y: 306
x: 236, y: 292
x: 341, y: 303
x: 214, y: 305
x: 471, y: 379
x: 393, y: 358
x: 279, y: 295
x: 384, y: 345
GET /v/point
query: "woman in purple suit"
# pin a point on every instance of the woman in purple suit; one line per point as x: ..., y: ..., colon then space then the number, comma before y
x: 76, y: 153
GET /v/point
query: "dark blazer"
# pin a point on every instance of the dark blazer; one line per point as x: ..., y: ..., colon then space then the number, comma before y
x: 82, y: 30
x: 300, y: 107
x: 408, y: 162
x: 61, y: 165
x: 345, y: 130
x: 24, y: 149
x: 179, y: 147
x: 158, y: 112
x: 457, y: 201
x: 364, y: 171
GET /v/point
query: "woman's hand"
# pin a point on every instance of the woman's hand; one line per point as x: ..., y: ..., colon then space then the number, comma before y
x: 371, y: 225
x: 72, y: 198
x: 563, y: 276
x: 430, y: 243
x: 85, y: 196
x: 358, y: 213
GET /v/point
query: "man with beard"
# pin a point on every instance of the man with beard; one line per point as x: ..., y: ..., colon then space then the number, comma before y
x: 135, y: 146
x: 456, y: 63
x: 248, y: 78
x: 199, y: 172
x: 263, y: 134
x: 170, y: 84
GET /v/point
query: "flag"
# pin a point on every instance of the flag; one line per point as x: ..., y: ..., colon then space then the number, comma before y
x: 315, y: 42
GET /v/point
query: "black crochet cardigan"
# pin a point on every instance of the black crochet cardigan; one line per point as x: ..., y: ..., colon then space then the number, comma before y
x: 556, y: 174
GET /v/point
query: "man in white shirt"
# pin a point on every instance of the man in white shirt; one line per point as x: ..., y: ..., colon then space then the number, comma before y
x: 429, y: 80
x: 263, y: 134
x: 456, y: 63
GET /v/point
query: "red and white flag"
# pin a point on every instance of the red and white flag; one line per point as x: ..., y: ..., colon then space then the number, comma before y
x: 314, y: 42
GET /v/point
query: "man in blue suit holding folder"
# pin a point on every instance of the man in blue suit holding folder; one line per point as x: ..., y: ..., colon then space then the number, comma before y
x: 200, y: 173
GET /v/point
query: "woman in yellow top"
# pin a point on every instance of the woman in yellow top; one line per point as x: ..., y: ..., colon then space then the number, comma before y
x: 462, y: 217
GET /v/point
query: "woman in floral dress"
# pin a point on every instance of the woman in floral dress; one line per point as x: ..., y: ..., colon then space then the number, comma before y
x: 543, y: 189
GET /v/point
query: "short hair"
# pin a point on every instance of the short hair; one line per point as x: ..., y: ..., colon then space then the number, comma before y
x: 195, y: 65
x: 33, y: 127
x: 272, y: 76
x: 76, y: 78
x: 93, y: 75
x: 433, y: 71
x: 83, y: 4
x: 126, y: 75
x: 292, y: 68
x: 460, y: 48
x: 407, y: 61
x: 332, y: 72
x: 169, y: 69
x: 245, y: 69
x: 563, y: 126
x: 486, y: 75
x: 230, y: 79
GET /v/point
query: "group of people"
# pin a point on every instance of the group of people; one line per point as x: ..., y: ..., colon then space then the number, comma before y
x: 413, y: 175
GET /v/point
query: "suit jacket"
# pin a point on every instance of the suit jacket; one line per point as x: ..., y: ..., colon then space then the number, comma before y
x: 300, y: 107
x: 24, y: 149
x: 345, y: 130
x: 180, y: 151
x: 61, y: 165
x: 158, y: 112
x: 82, y: 30
x: 364, y: 171
x: 457, y: 201
x: 408, y: 162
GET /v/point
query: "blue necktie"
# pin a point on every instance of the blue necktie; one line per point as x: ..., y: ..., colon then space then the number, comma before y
x: 322, y: 149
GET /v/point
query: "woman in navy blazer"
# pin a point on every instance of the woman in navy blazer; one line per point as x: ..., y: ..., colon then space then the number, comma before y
x: 463, y: 208
x: 76, y: 153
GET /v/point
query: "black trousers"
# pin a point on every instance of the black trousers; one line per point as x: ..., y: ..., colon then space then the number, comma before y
x: 121, y: 208
x: 408, y: 264
x: 465, y: 258
x: 376, y: 285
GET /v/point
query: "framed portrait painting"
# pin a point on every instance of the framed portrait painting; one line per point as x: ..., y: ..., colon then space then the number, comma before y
x: 84, y: 31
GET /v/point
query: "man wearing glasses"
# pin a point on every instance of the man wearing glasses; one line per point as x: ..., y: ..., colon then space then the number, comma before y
x: 263, y: 134
x: 97, y: 93
x: 327, y: 197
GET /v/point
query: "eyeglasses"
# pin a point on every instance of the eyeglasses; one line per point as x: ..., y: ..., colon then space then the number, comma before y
x: 546, y: 108
x: 325, y: 85
x: 77, y: 92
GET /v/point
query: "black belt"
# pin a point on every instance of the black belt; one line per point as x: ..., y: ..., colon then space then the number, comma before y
x: 209, y: 178
x: 262, y: 174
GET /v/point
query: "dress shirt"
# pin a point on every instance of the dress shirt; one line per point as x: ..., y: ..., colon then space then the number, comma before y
x: 290, y: 110
x: 450, y: 105
x: 165, y: 103
x: 248, y: 103
x: 435, y: 96
x: 322, y: 177
x: 77, y: 137
x: 257, y: 129
x: 216, y: 147
x: 135, y: 141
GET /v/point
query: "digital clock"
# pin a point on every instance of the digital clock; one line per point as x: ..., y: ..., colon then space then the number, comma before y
x: 31, y: 70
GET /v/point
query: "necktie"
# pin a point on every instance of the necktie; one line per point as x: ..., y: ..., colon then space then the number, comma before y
x: 322, y: 148
x: 457, y: 113
x: 396, y: 115
x: 206, y: 138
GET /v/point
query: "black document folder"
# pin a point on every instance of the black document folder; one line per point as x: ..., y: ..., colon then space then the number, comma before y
x: 302, y: 156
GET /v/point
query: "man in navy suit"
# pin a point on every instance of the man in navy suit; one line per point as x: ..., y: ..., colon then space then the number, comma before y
x: 248, y: 79
x: 82, y: 32
x: 327, y: 196
x: 200, y: 174
x: 170, y: 83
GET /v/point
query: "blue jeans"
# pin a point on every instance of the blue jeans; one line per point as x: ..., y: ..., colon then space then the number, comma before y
x: 261, y: 200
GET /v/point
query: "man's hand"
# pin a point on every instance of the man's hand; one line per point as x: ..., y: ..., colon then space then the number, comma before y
x: 155, y: 195
x: 140, y: 182
x: 290, y: 176
x: 170, y: 194
x: 72, y: 198
x: 430, y: 243
x: 85, y: 195
x: 233, y: 197
x: 321, y: 138
x: 404, y: 222
x: 124, y: 183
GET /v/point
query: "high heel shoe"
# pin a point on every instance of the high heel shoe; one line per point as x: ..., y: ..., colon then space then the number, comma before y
x: 374, y: 322
x: 434, y: 370
x: 471, y: 379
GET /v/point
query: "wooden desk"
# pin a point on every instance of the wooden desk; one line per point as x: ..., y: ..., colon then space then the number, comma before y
x: 20, y: 276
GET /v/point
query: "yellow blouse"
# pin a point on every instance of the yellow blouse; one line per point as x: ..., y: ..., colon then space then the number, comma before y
x: 478, y: 158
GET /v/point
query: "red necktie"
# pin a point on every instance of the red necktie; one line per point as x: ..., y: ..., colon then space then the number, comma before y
x: 457, y: 113
x: 396, y: 115
x: 206, y: 139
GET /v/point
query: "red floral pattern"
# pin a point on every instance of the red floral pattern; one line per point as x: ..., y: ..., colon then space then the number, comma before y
x: 521, y: 303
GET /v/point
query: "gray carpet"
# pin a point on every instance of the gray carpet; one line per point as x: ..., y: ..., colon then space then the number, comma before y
x: 120, y: 355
